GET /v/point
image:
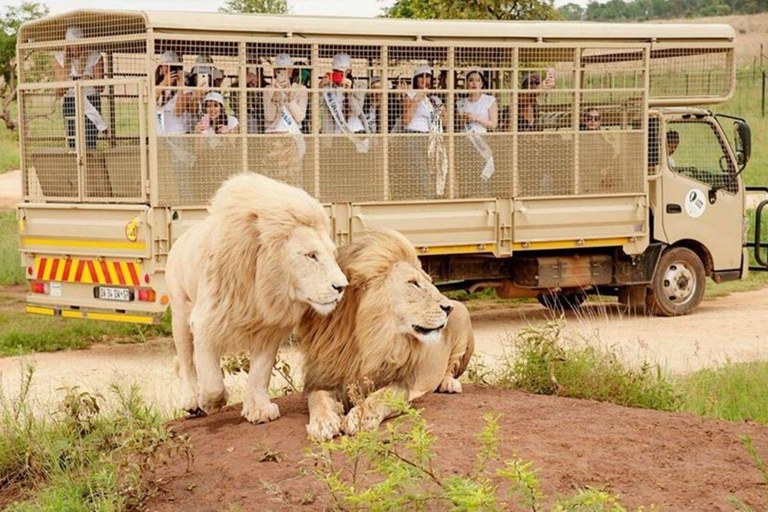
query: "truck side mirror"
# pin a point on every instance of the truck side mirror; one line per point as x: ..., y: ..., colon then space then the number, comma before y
x: 742, y: 136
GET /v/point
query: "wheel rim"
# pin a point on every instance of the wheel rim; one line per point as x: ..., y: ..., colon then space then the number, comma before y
x: 679, y: 283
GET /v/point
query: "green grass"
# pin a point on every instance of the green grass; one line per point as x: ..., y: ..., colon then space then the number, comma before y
x: 82, y: 455
x: 11, y: 271
x: 538, y: 360
x: 732, y: 391
x: 9, y: 150
x: 746, y: 103
x: 21, y: 333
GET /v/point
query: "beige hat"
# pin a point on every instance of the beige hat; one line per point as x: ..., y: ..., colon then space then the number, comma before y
x: 169, y: 57
x: 422, y: 70
x: 74, y: 33
x: 214, y: 96
x: 341, y: 62
x: 283, y: 60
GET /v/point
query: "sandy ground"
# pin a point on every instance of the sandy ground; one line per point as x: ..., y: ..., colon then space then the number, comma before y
x: 730, y: 328
x: 10, y: 188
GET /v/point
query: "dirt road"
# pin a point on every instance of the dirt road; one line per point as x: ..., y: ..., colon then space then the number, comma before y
x: 733, y: 327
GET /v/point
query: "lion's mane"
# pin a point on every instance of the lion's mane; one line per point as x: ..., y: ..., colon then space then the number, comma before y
x: 359, y: 345
x: 251, y: 216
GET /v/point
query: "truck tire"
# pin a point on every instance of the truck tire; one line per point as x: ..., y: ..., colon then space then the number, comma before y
x: 678, y: 283
x: 562, y: 301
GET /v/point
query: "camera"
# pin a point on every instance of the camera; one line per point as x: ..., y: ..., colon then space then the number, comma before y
x: 337, y: 77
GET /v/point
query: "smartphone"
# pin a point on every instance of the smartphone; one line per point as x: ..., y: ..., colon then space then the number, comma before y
x: 203, y: 80
x: 549, y: 79
x: 206, y: 122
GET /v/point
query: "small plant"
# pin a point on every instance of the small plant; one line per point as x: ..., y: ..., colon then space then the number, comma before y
x: 232, y: 364
x: 86, y: 455
x: 393, y: 468
x: 538, y: 360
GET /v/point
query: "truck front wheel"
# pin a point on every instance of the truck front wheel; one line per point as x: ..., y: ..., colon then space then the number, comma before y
x: 678, y: 283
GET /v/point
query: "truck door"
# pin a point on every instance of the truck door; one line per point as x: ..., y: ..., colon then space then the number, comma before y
x: 703, y: 199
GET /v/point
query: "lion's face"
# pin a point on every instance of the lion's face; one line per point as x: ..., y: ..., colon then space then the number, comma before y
x: 420, y: 309
x: 315, y: 277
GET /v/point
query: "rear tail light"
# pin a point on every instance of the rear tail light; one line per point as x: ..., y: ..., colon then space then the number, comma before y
x: 146, y: 295
x: 37, y: 287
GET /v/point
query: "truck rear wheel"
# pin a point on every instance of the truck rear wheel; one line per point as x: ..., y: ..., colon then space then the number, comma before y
x: 678, y: 283
x: 562, y: 301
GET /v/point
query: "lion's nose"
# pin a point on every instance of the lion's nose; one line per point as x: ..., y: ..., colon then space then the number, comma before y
x: 447, y: 308
x: 339, y: 287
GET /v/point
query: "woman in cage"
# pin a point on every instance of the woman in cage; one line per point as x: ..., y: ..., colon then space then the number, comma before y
x: 528, y: 104
x: 423, y: 117
x: 285, y: 107
x: 340, y: 106
x: 477, y: 113
x: 215, y: 120
x: 75, y: 63
x: 176, y: 156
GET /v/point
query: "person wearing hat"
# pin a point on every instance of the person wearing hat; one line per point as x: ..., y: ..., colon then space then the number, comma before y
x: 215, y: 120
x: 478, y: 112
x: 285, y: 101
x: 348, y: 106
x: 74, y: 63
x: 527, y: 104
x: 418, y: 107
x: 171, y: 104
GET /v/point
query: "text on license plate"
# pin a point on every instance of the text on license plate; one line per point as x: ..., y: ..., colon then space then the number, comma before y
x: 109, y: 293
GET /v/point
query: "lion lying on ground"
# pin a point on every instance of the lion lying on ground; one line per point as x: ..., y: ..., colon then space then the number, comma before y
x: 391, y: 333
x: 241, y: 280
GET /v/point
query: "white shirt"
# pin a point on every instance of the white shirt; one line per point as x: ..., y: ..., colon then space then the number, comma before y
x: 480, y: 109
x: 168, y: 123
x: 80, y: 69
x: 421, y: 115
x: 298, y: 105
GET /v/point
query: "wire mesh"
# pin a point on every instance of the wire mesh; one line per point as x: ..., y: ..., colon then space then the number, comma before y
x: 364, y: 121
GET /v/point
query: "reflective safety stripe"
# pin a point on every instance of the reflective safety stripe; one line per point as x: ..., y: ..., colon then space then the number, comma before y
x: 88, y: 315
x: 40, y: 311
x: 87, y: 244
x: 73, y: 270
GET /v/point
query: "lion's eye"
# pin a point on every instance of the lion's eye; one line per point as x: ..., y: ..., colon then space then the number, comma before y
x: 415, y: 283
x: 312, y: 256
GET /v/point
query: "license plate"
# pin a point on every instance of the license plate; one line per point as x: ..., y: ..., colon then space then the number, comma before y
x: 109, y: 293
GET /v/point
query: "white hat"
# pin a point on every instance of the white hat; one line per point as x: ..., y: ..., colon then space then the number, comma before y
x: 169, y: 57
x: 204, y: 59
x: 341, y: 62
x: 214, y: 96
x: 283, y: 60
x: 74, y: 33
x: 422, y: 70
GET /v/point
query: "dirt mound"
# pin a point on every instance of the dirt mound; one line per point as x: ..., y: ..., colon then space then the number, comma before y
x: 680, y: 461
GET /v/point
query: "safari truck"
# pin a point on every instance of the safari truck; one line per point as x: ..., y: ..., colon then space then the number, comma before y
x: 599, y: 171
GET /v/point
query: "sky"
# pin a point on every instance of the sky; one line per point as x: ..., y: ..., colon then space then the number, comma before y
x: 363, y: 8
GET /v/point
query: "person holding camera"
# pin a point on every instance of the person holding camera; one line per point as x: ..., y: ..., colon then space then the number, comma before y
x: 203, y: 77
x: 74, y: 63
x: 215, y: 121
x: 170, y: 103
x: 285, y: 107
x: 342, y: 109
x: 285, y: 101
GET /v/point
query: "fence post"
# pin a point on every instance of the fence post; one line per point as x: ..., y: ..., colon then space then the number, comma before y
x: 763, y: 96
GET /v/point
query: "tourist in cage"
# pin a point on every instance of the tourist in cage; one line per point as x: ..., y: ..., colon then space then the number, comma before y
x: 477, y: 113
x: 170, y: 113
x: 254, y: 102
x: 215, y: 121
x: 203, y: 77
x: 527, y: 104
x: 591, y: 120
x: 341, y: 108
x: 76, y: 63
x: 285, y: 107
x: 424, y: 114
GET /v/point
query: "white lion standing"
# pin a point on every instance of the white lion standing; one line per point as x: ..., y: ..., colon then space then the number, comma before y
x: 241, y: 280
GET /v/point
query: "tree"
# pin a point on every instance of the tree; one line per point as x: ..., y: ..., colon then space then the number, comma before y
x: 11, y: 19
x: 473, y: 9
x: 571, y: 12
x: 256, y: 6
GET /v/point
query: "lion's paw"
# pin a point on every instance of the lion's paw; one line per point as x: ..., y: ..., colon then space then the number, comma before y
x: 189, y: 401
x: 324, y: 427
x: 260, y: 412
x: 360, y: 419
x: 449, y: 385
x: 212, y: 403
